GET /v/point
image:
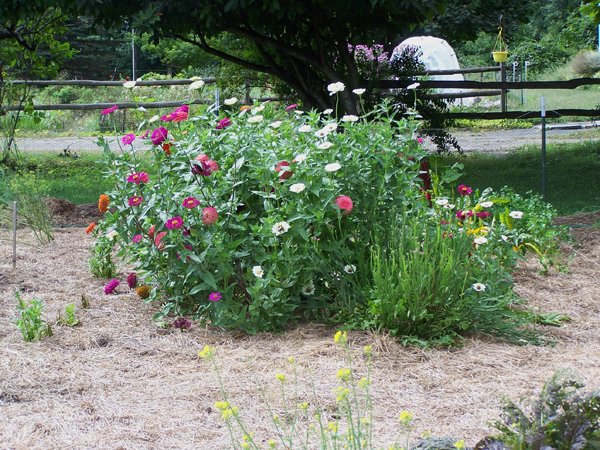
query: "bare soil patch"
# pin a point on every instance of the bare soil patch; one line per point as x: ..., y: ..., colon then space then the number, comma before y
x: 120, y: 381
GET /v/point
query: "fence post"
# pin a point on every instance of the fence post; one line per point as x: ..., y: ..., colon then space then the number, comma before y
x: 543, y: 113
x: 14, y: 257
x: 503, y: 90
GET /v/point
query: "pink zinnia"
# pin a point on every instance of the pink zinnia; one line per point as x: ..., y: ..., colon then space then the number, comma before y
x: 202, y: 157
x: 204, y: 168
x: 462, y: 215
x: 151, y: 232
x: 111, y: 286
x: 483, y: 214
x: 174, y: 222
x: 137, y: 178
x: 464, y: 190
x: 209, y: 215
x: 132, y: 280
x: 191, y: 202
x: 214, y: 297
x: 159, y: 135
x: 158, y: 240
x: 181, y: 113
x: 223, y: 123
x: 128, y: 139
x: 145, y: 134
x: 136, y: 200
x: 345, y: 204
x: 107, y: 111
x: 291, y: 107
x: 137, y: 238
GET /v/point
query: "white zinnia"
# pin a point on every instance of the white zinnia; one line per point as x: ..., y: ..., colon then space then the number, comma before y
x: 328, y: 111
x: 142, y: 109
x: 350, y: 268
x: 488, y: 204
x: 359, y: 91
x: 333, y: 167
x: 516, y: 214
x: 255, y: 119
x: 305, y: 128
x: 413, y: 86
x: 280, y: 228
x: 112, y: 234
x: 297, y: 187
x: 479, y: 287
x: 230, y: 101
x: 441, y: 201
x: 300, y: 158
x: 334, y: 88
x: 258, y: 271
x: 330, y: 127
x: 325, y: 145
x: 349, y: 118
x: 480, y: 240
x: 321, y: 133
x: 298, y: 112
x: 129, y: 84
x: 154, y: 118
x: 198, y: 84
x: 258, y: 109
x: 308, y: 288
x: 275, y: 124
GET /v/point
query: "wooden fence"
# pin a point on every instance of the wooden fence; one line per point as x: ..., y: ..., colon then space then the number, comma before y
x: 476, y: 89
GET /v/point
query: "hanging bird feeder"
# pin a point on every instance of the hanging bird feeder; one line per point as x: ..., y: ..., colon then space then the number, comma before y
x: 500, y: 51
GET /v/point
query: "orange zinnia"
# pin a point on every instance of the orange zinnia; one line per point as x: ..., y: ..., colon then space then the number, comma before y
x: 90, y: 228
x: 103, y: 203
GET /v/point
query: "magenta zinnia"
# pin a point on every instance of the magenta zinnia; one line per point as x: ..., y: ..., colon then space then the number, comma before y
x: 191, y: 202
x: 183, y: 323
x: 223, y: 123
x: 174, y: 222
x: 132, y: 280
x: 214, y: 296
x: 111, y: 286
x: 128, y: 139
x: 159, y: 135
x: 107, y: 111
x: 137, y: 178
x: 464, y: 190
x: 137, y: 238
x: 136, y: 200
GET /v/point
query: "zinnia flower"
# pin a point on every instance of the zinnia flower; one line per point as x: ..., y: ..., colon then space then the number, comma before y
x: 284, y: 168
x: 90, y: 228
x: 255, y: 119
x: 345, y: 204
x: 441, y: 201
x: 107, y: 111
x: 308, y: 288
x: 359, y: 91
x: 516, y: 214
x: 166, y: 148
x: 324, y: 145
x: 333, y: 167
x: 143, y: 291
x: 258, y: 271
x: 151, y: 231
x: 128, y: 139
x: 275, y: 124
x: 349, y: 118
x: 483, y: 214
x: 159, y: 135
x: 280, y: 227
x: 304, y: 128
x: 136, y: 200
x: 297, y: 188
x: 129, y: 84
x: 103, y: 203
x: 183, y: 323
x: 350, y: 268
x: 478, y: 287
x: 487, y: 204
x: 334, y: 88
x: 111, y: 286
x: 230, y: 101
x: 174, y: 222
x: 190, y: 202
x: 464, y: 190
x: 214, y: 297
x: 137, y: 178
x: 209, y: 215
x: 291, y: 107
x: 198, y: 84
x: 223, y: 123
x: 413, y: 86
x: 132, y: 280
x: 158, y: 240
x: 137, y: 238
x: 480, y: 240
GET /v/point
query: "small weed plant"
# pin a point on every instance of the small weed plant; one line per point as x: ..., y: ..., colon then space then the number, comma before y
x: 29, y: 319
x: 69, y: 318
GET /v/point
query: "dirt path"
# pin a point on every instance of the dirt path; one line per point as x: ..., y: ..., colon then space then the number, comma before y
x: 121, y: 381
x: 493, y: 141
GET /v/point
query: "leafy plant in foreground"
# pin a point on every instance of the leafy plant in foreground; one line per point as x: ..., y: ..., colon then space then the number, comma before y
x: 69, y: 318
x: 29, y: 319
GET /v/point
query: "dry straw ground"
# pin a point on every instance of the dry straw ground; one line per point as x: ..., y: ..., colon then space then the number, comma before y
x: 119, y: 381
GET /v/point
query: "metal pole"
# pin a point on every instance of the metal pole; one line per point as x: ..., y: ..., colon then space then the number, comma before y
x: 217, y: 101
x: 133, y: 54
x: 14, y: 234
x: 543, y: 112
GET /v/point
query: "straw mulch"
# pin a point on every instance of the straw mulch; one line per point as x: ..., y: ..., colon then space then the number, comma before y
x: 120, y: 381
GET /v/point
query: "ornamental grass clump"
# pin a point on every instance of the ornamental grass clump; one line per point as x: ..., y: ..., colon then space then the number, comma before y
x: 308, y: 199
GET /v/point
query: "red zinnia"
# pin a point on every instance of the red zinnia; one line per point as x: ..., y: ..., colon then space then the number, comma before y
x: 158, y: 240
x: 209, y: 215
x: 284, y: 168
x: 167, y: 148
x: 151, y: 232
x: 132, y: 280
x: 345, y: 204
x: 483, y: 214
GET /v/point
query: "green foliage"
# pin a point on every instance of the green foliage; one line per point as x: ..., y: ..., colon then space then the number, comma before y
x: 31, y: 197
x: 29, y: 319
x: 101, y: 262
x: 69, y: 318
x: 562, y: 418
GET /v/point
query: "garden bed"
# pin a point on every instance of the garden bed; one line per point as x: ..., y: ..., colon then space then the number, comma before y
x: 120, y: 381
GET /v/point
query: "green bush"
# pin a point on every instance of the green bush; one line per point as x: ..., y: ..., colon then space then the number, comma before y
x: 29, y: 320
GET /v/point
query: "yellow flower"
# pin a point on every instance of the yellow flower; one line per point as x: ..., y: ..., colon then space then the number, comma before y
x: 221, y: 406
x: 460, y: 444
x: 303, y: 406
x: 406, y: 417
x: 332, y: 427
x: 365, y: 421
x: 229, y: 412
x: 340, y: 337
x: 207, y: 352
x: 280, y: 377
x: 344, y: 374
x: 342, y: 394
x: 291, y: 359
x: 245, y: 445
x: 272, y: 443
x: 363, y: 383
x: 368, y: 350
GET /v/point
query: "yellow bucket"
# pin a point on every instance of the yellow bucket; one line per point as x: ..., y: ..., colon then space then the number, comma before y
x: 500, y: 57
